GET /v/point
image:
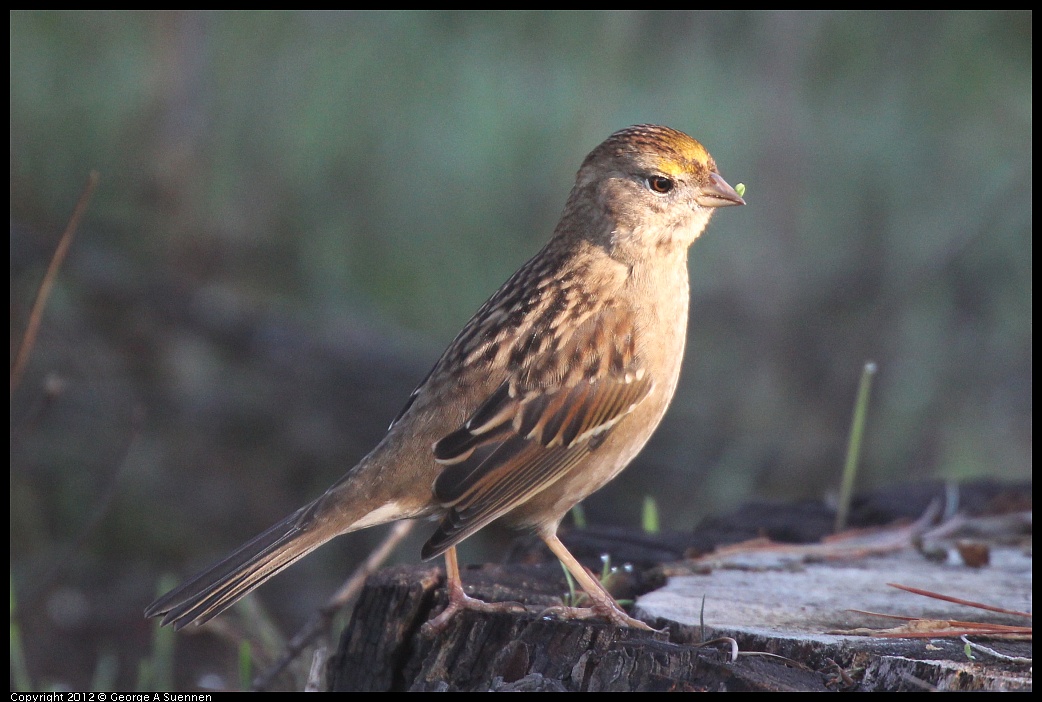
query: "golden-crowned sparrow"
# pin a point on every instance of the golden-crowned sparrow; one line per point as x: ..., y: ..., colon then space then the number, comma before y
x: 547, y: 393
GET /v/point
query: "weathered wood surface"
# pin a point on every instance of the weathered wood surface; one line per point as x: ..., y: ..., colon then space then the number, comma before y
x: 383, y: 649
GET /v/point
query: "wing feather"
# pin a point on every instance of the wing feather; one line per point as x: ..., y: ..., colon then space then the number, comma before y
x: 531, y: 431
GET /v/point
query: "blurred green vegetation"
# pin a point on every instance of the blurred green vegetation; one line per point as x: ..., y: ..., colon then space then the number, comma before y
x: 286, y: 194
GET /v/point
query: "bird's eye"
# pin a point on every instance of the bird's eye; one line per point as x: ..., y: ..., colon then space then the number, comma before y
x: 659, y: 184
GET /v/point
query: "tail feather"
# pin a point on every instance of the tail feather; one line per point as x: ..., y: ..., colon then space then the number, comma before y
x: 217, y: 588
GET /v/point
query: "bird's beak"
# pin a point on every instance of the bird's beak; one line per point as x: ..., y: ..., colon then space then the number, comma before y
x: 718, y: 194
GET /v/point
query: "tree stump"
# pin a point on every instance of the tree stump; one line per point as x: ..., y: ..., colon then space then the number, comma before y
x: 791, y: 618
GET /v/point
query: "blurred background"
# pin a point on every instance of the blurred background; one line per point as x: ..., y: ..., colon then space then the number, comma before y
x: 298, y: 210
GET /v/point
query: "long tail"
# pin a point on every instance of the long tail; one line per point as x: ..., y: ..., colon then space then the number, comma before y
x: 223, y: 584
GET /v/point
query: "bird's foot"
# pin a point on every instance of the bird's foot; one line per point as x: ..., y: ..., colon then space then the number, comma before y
x: 459, y: 600
x: 613, y: 614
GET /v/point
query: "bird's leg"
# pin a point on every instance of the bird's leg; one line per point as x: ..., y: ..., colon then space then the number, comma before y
x: 458, y: 599
x: 604, y: 605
